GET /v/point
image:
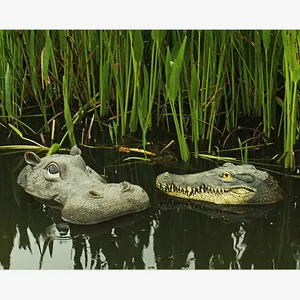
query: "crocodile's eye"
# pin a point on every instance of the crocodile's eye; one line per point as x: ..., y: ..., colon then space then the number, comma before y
x: 53, y: 170
x: 226, y: 175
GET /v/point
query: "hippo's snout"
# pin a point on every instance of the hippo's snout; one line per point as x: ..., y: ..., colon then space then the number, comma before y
x: 102, y: 203
x: 97, y: 193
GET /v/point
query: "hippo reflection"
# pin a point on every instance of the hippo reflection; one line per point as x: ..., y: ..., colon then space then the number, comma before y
x: 84, y: 196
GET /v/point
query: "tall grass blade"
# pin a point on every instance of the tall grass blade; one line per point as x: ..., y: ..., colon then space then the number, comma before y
x: 8, y: 91
x: 67, y: 113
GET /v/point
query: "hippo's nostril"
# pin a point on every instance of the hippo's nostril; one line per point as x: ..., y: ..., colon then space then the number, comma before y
x: 126, y: 186
x: 94, y: 194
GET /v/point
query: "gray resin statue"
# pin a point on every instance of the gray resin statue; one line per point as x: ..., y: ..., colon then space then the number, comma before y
x: 85, y: 196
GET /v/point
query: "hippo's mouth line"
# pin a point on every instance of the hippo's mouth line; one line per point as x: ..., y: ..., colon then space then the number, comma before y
x: 76, y: 222
x: 45, y: 200
x: 33, y: 194
x: 56, y: 199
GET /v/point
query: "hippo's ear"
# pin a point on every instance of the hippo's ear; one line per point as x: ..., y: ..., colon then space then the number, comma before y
x: 75, y: 150
x: 31, y: 158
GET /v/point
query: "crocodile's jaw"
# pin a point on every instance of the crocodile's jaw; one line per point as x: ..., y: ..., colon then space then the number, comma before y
x: 240, y: 195
x: 229, y: 184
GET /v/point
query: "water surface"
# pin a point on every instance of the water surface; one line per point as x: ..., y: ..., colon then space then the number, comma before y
x: 32, y: 236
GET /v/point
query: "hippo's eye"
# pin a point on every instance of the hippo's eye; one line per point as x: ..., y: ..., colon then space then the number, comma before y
x: 53, y: 170
x: 226, y: 175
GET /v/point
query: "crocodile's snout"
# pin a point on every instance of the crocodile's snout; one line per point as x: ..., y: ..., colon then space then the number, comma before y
x: 229, y: 184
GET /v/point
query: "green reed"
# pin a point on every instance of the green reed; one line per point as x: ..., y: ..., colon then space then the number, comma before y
x: 197, y: 83
x: 291, y: 67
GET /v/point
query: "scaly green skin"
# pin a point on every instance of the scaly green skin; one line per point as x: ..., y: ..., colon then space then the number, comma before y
x: 229, y: 184
x: 84, y: 196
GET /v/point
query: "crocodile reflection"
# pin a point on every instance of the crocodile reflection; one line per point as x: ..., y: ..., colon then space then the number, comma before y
x: 227, y: 213
x: 200, y: 239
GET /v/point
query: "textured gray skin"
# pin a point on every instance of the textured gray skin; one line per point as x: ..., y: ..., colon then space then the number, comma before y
x: 246, y: 185
x: 85, y: 196
x: 103, y: 203
x: 74, y: 174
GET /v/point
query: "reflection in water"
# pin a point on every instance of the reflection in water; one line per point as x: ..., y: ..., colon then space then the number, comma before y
x: 239, y: 247
x: 296, y: 253
x: 117, y: 244
x: 190, y: 262
x: 32, y: 236
x: 56, y: 232
x: 215, y: 262
x: 148, y: 251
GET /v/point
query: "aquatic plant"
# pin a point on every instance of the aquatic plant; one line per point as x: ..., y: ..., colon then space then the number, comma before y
x: 198, y: 84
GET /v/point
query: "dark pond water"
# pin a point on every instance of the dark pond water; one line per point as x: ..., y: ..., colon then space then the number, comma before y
x: 34, y: 237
